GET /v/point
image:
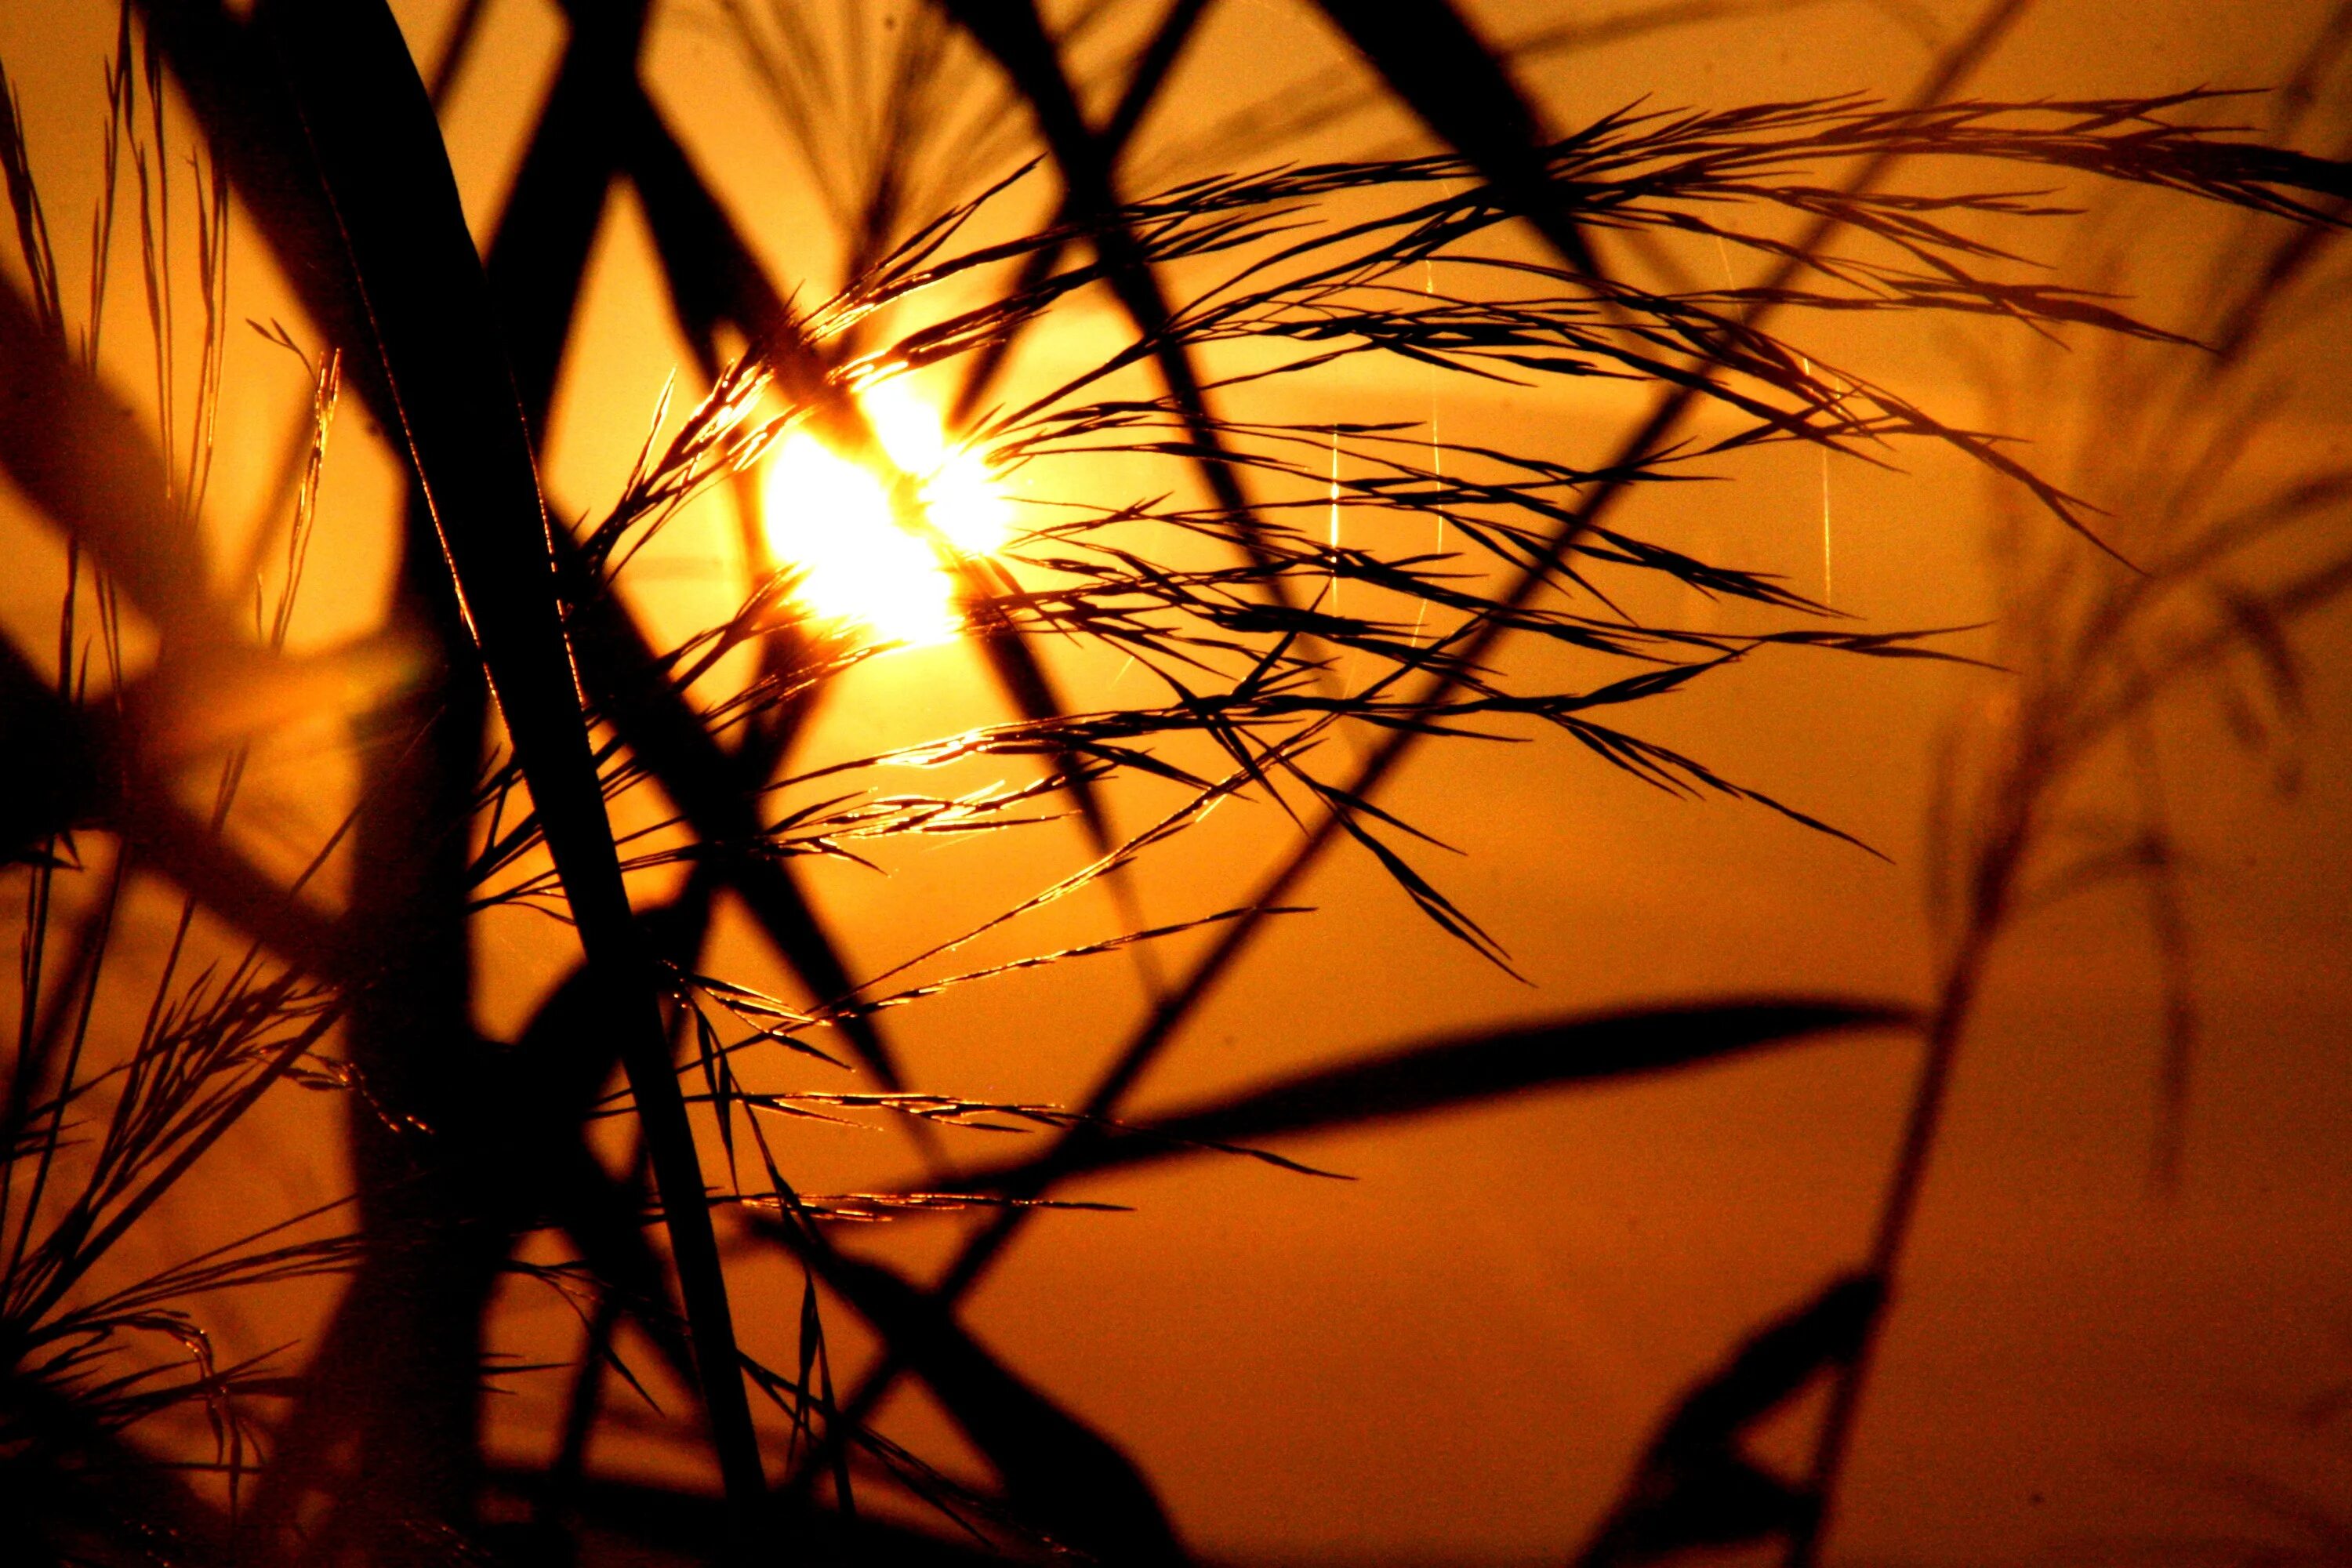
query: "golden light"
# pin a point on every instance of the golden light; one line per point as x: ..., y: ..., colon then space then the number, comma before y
x: 831, y: 517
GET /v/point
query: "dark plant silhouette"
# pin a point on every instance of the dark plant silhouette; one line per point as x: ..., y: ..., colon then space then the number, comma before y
x: 522, y: 736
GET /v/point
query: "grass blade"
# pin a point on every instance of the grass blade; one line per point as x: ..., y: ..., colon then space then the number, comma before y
x: 1694, y: 1488
x: 101, y: 778
x: 84, y: 458
x: 1175, y: 30
x: 1016, y: 35
x: 1464, y: 92
x: 540, y: 254
x: 377, y: 152
x: 1457, y: 1071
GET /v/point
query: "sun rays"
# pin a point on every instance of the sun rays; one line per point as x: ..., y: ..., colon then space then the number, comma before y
x: 863, y: 560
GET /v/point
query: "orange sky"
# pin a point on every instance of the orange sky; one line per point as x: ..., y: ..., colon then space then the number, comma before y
x: 1455, y: 1357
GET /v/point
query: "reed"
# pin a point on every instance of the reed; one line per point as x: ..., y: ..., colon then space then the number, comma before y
x: 524, y: 736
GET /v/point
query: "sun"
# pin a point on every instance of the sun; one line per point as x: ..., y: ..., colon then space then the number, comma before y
x: 831, y: 516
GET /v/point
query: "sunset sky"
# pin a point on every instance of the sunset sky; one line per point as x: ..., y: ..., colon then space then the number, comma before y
x: 1456, y: 1356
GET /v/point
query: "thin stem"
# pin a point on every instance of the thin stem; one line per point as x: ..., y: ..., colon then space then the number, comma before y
x: 1896, y: 1212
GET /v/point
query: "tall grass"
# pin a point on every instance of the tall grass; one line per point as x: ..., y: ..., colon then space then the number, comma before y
x: 523, y: 737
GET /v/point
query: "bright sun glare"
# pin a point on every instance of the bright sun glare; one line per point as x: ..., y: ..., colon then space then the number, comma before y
x: 831, y: 516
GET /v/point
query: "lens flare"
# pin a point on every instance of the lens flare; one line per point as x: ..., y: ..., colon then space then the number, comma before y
x: 831, y: 518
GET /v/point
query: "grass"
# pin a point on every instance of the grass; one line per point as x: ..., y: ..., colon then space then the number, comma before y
x: 540, y: 746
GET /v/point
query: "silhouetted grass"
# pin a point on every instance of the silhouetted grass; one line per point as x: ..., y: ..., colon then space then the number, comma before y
x: 532, y: 705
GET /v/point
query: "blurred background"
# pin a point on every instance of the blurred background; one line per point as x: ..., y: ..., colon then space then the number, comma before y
x: 1456, y: 1355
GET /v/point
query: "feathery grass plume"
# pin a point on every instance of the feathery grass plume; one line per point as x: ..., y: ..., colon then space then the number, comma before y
x: 549, y: 748
x: 2226, y: 533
